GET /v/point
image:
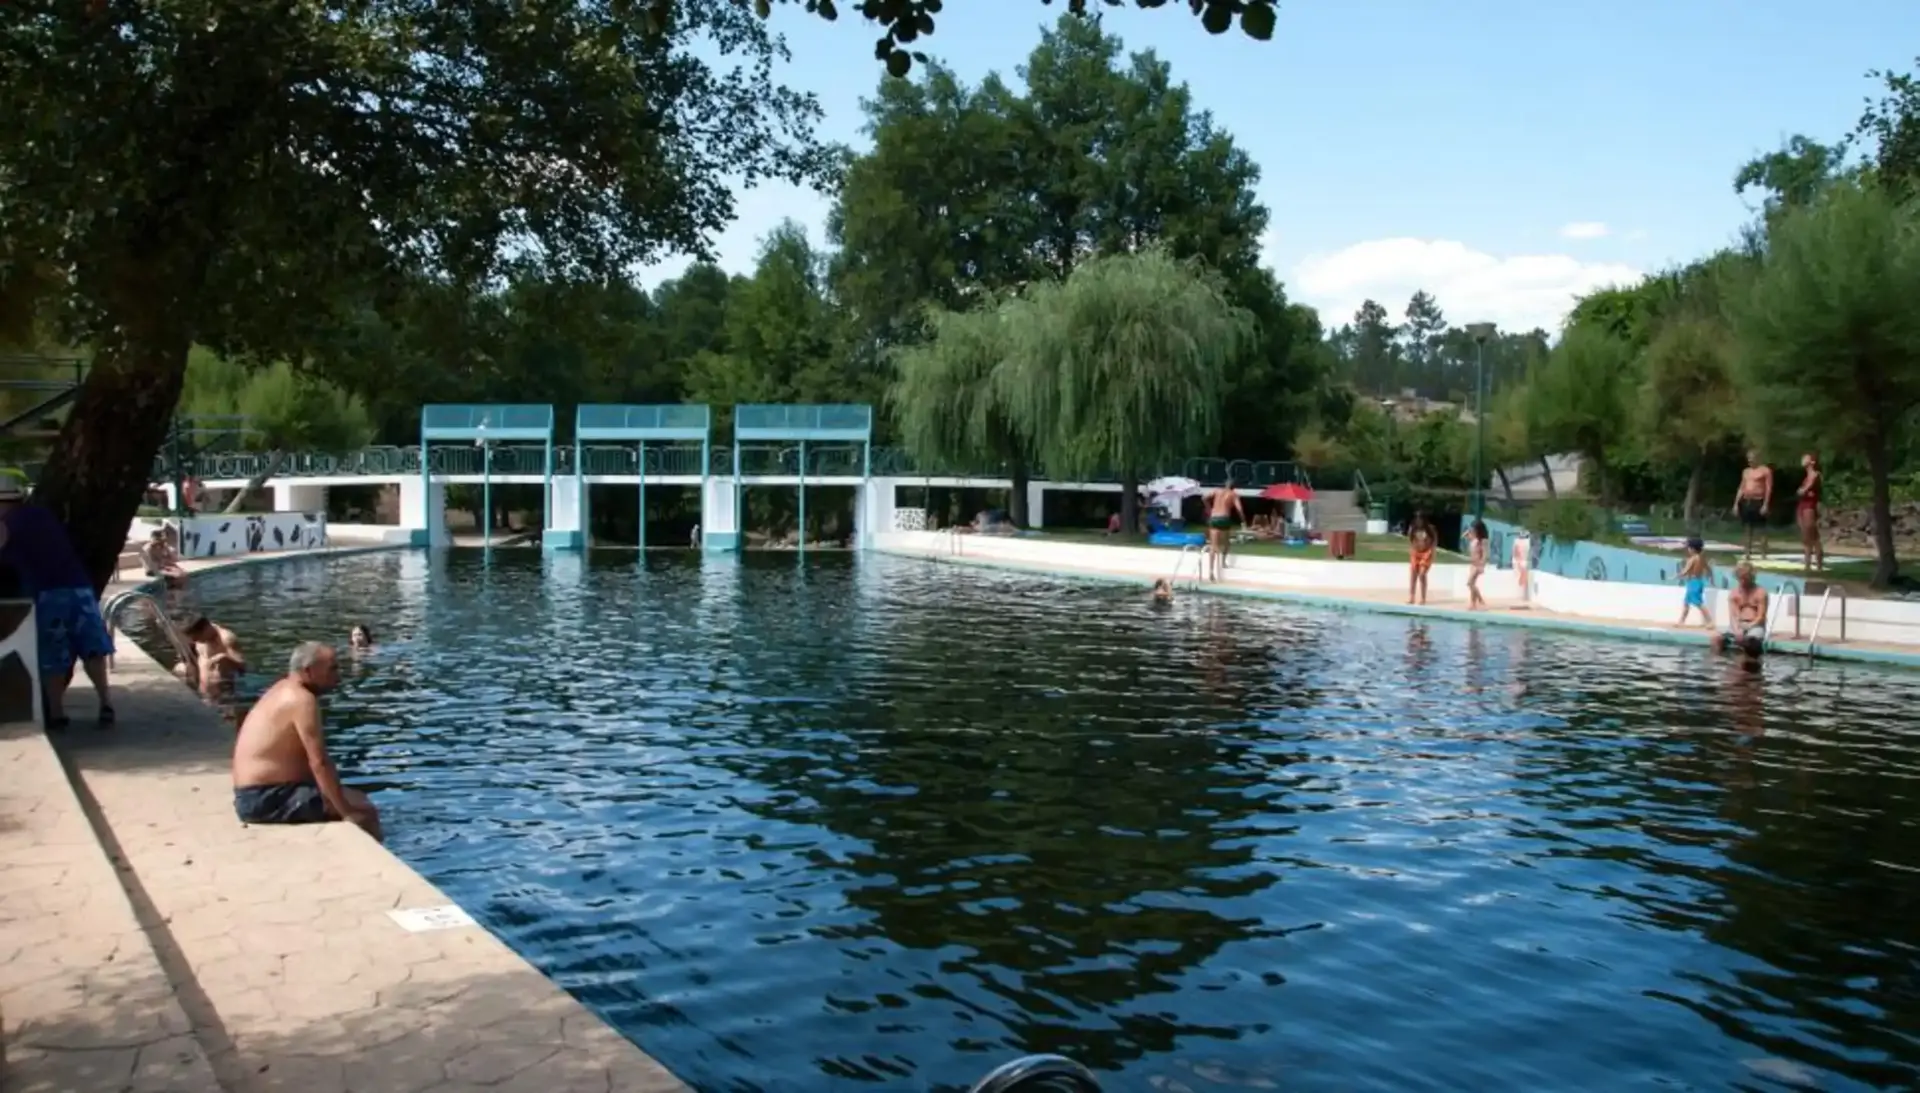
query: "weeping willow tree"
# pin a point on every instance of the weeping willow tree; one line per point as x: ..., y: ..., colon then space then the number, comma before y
x: 947, y: 406
x: 1121, y: 368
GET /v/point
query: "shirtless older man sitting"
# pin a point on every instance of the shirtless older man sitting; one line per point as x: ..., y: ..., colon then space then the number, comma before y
x: 281, y: 773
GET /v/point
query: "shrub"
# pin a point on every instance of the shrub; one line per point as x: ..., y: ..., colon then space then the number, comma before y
x: 1564, y: 520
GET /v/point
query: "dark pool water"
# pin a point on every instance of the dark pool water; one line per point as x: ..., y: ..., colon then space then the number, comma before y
x: 844, y: 823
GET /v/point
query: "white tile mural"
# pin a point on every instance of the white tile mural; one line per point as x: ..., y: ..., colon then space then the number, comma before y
x: 223, y: 536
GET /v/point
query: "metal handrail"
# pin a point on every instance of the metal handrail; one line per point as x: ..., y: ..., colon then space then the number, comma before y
x: 1180, y: 563
x: 1826, y: 597
x: 182, y: 648
x: 1038, y: 1073
x: 1779, y: 605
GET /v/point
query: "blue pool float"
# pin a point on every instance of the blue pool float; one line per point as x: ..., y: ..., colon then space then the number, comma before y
x: 1177, y: 538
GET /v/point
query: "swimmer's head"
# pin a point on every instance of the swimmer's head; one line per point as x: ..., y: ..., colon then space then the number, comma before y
x: 1753, y: 647
x: 360, y: 637
x: 198, y: 627
x: 1162, y: 589
x: 1744, y: 574
x: 1696, y: 544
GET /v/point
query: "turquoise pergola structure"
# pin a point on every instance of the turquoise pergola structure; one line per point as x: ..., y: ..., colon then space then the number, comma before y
x: 485, y: 426
x: 662, y: 425
x: 756, y: 426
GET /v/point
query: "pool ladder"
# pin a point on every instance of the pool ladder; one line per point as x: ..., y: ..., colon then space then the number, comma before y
x: 1180, y: 565
x: 1827, y: 591
x: 1038, y: 1074
x: 182, y: 648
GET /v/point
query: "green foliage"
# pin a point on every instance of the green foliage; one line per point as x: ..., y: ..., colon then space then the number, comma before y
x: 973, y: 192
x: 1123, y: 365
x: 1688, y: 402
x: 947, y: 397
x: 285, y: 409
x: 1891, y: 124
x: 1792, y: 177
x: 906, y: 22
x: 1565, y: 520
x: 1829, y: 337
x: 1578, y: 400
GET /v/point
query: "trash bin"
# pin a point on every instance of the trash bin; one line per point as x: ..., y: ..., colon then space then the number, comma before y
x: 1340, y: 544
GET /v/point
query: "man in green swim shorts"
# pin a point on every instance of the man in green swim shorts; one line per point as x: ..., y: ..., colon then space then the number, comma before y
x: 1223, y: 511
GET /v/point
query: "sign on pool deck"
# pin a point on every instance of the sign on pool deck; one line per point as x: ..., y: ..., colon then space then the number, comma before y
x: 418, y: 920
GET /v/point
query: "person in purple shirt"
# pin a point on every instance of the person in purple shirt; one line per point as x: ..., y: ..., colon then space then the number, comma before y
x: 66, y: 610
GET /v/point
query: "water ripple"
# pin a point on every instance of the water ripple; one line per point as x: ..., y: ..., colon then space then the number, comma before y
x: 844, y: 823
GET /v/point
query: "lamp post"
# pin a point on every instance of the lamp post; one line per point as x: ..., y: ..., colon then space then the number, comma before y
x: 1480, y: 332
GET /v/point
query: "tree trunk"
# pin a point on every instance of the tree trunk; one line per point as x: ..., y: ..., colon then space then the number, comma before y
x: 272, y: 468
x: 1880, y: 466
x: 1546, y: 469
x: 1129, y: 503
x: 1506, y: 486
x: 1690, y: 508
x: 1017, y: 504
x: 101, y: 463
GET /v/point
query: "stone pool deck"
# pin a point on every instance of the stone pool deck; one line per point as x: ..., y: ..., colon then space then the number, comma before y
x: 1501, y: 610
x: 150, y: 943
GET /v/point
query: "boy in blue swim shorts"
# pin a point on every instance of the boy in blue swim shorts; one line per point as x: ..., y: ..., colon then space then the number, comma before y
x: 1695, y: 573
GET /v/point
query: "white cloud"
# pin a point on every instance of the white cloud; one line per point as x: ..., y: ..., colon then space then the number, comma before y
x: 1518, y: 292
x: 1584, y: 229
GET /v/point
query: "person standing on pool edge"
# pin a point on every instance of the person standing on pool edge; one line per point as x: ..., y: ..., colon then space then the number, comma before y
x: 66, y: 610
x: 1806, y: 513
x: 1754, y: 499
x: 1422, y: 540
x: 1223, y: 511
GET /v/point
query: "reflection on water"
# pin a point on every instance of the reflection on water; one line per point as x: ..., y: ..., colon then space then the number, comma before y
x: 842, y: 823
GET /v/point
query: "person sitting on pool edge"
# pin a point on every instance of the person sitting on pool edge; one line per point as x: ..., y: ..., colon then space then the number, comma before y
x: 1747, y: 603
x: 281, y: 771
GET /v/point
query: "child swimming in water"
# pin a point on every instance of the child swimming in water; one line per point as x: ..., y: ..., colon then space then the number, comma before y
x: 1163, y: 591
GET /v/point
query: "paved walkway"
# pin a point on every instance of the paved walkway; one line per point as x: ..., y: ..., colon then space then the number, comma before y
x: 1504, y: 610
x: 268, y: 959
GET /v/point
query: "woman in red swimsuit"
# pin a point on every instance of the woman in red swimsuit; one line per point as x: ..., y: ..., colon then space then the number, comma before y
x: 1807, y: 514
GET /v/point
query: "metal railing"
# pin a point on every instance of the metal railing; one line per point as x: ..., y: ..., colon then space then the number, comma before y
x: 1826, y: 598
x: 1038, y: 1074
x: 826, y: 459
x: 1362, y: 490
x: 182, y: 648
x: 1779, y: 608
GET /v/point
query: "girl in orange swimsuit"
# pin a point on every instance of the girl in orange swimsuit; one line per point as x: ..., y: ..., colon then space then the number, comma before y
x: 1420, y: 536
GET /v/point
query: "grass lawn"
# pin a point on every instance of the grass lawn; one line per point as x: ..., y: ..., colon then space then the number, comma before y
x: 1367, y: 548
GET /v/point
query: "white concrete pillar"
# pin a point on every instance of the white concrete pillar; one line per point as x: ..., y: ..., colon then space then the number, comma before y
x: 299, y: 497
x: 423, y: 511
x: 719, y: 523
x: 565, y: 529
x: 1036, y: 504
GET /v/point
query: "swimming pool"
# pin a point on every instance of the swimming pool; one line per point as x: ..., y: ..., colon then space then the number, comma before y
x: 843, y: 823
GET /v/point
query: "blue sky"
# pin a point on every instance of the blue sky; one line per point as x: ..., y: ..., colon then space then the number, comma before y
x: 1505, y: 155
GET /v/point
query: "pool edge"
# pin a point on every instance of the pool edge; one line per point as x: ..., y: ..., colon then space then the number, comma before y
x: 1652, y: 635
